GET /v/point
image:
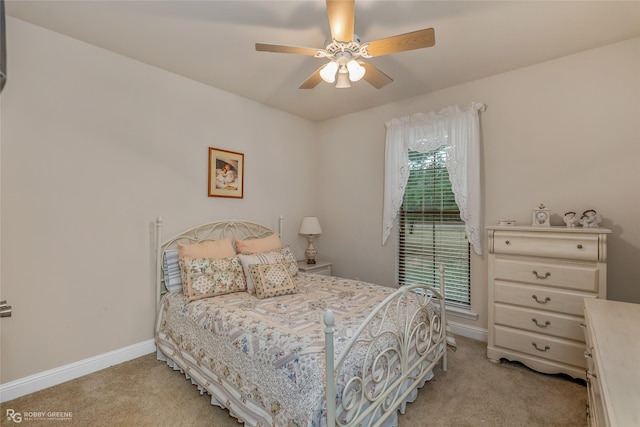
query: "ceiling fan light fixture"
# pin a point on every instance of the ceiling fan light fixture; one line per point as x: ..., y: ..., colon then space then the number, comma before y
x: 356, y: 71
x: 328, y: 72
x: 342, y: 81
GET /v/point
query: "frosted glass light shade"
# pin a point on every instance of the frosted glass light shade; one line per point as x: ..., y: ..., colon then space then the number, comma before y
x: 356, y: 71
x: 310, y: 226
x: 328, y: 72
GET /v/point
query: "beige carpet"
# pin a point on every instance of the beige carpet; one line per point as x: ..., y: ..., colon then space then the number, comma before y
x: 473, y: 392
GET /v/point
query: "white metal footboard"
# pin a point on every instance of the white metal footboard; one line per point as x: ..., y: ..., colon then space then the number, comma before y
x: 394, y: 349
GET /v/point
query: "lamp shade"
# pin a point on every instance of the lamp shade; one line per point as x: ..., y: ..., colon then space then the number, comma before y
x: 328, y: 72
x: 310, y: 226
x: 356, y: 71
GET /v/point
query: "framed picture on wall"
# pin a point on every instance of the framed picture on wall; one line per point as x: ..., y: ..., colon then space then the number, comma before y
x: 226, y: 173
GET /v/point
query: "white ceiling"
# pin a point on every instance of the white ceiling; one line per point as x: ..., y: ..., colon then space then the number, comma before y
x: 213, y: 41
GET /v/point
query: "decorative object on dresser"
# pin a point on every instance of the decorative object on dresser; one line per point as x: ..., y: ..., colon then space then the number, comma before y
x: 570, y: 219
x: 310, y: 227
x: 613, y: 362
x: 538, y: 280
x: 590, y: 218
x: 320, y: 267
x: 541, y: 216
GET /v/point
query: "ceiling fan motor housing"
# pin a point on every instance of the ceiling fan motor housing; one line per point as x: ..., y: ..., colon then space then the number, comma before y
x: 348, y: 50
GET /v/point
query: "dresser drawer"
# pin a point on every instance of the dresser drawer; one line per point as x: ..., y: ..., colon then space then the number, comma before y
x: 541, y: 298
x: 539, y: 321
x: 576, y: 246
x: 546, y: 347
x: 547, y: 273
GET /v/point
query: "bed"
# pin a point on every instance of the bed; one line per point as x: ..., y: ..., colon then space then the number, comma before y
x: 269, y: 343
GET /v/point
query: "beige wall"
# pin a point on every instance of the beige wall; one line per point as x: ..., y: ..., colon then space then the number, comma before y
x: 94, y: 147
x: 564, y: 132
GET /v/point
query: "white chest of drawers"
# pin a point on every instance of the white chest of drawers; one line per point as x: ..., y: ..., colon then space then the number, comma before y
x: 539, y: 278
x: 613, y: 363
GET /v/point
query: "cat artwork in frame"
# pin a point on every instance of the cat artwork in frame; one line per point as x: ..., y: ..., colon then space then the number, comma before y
x: 226, y: 173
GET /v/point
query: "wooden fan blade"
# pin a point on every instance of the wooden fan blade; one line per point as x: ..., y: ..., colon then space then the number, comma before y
x: 374, y: 76
x: 262, y: 47
x: 341, y: 19
x: 400, y: 43
x: 312, y: 81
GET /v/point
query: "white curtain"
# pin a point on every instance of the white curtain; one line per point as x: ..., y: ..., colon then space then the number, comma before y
x: 459, y: 129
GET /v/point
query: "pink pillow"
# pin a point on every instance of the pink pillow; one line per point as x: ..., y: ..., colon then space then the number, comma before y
x: 207, y: 249
x: 256, y: 246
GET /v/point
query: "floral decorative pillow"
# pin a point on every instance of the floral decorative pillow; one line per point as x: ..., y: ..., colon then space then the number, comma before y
x: 285, y: 256
x: 272, y: 280
x: 280, y: 256
x: 208, y: 277
x: 247, y: 260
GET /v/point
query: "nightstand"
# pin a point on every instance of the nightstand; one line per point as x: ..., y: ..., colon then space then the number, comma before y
x: 319, y: 267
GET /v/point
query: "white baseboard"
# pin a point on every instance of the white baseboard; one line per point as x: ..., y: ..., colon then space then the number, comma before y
x: 23, y: 386
x: 468, y: 331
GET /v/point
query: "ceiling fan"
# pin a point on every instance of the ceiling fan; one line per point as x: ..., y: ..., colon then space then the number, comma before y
x: 345, y: 50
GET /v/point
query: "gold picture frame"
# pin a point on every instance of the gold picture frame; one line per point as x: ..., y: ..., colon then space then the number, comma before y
x: 226, y: 173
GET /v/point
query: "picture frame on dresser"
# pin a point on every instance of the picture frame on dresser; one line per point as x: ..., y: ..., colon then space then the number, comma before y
x: 538, y: 280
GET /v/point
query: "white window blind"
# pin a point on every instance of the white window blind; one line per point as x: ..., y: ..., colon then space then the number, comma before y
x: 431, y: 231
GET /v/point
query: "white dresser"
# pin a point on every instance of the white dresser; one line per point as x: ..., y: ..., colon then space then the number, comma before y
x: 613, y: 363
x: 539, y: 278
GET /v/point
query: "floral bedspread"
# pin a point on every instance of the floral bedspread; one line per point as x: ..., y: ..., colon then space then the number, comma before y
x: 263, y: 359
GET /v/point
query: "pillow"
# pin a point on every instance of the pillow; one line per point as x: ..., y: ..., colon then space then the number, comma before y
x: 171, y: 270
x: 247, y: 260
x: 254, y: 246
x: 207, y: 249
x: 208, y: 277
x: 280, y: 256
x: 285, y: 256
x: 272, y: 280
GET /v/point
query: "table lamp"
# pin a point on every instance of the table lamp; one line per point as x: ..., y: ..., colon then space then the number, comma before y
x: 310, y: 227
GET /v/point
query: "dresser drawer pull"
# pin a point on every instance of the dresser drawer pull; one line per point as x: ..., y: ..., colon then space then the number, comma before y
x: 547, y: 274
x: 546, y: 347
x: 540, y: 325
x: 579, y: 246
x: 546, y: 300
x: 506, y: 242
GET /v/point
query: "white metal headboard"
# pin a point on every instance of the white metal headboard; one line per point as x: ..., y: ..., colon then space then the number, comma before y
x: 211, y: 231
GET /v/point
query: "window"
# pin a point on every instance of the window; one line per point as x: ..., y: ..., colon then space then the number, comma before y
x: 431, y: 231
